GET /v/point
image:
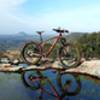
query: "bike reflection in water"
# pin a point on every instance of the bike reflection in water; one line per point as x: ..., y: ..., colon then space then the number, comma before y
x: 48, y: 85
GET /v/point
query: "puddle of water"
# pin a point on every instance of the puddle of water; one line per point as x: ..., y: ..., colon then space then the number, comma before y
x: 13, y: 88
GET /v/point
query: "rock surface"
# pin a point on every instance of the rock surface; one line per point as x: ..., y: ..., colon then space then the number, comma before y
x: 87, y: 67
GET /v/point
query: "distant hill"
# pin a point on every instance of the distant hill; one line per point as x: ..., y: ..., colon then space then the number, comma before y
x: 22, y: 34
x: 74, y: 35
x: 13, y: 41
x: 17, y: 41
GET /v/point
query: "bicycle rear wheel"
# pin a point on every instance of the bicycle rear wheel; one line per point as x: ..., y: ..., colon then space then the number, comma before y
x: 69, y: 55
x: 32, y: 79
x: 31, y: 53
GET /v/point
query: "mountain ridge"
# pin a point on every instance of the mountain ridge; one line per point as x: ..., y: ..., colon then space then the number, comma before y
x: 16, y: 41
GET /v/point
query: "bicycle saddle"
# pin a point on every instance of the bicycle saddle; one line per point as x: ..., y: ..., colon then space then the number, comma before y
x: 40, y: 32
x: 60, y: 30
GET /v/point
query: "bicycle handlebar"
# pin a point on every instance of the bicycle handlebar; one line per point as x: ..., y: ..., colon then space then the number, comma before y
x: 60, y: 30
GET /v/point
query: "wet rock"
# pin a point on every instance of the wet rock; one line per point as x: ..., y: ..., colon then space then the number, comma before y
x: 4, y: 60
x: 3, y: 66
x: 15, y: 61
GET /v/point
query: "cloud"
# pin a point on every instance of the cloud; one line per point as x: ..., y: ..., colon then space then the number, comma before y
x: 10, y: 3
x: 81, y: 19
x: 13, y: 20
x: 9, y: 23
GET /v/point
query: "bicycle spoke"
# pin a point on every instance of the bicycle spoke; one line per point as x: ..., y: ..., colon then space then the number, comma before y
x: 69, y: 55
x: 31, y: 53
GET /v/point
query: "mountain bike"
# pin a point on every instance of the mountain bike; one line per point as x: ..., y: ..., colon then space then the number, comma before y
x: 39, y: 52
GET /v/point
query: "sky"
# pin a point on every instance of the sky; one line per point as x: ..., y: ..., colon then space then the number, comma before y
x: 32, y: 15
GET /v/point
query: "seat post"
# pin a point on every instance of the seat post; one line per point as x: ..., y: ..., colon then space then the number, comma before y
x: 41, y: 39
x: 40, y: 34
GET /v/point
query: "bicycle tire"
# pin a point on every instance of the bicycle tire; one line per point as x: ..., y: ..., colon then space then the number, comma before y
x: 77, y: 54
x: 35, y: 49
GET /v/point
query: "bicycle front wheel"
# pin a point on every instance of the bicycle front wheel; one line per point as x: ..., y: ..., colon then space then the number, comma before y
x: 31, y: 53
x: 69, y: 55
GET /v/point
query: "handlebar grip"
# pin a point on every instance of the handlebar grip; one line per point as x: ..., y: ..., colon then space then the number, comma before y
x: 67, y: 31
x: 60, y: 30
